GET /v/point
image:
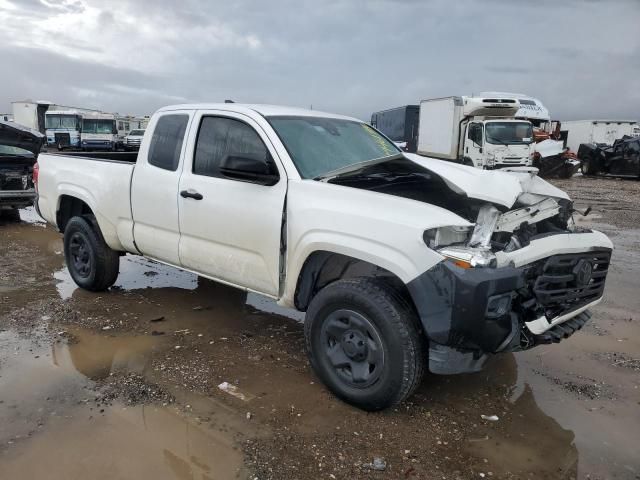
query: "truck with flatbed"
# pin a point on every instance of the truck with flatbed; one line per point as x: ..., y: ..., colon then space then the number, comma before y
x: 402, y: 263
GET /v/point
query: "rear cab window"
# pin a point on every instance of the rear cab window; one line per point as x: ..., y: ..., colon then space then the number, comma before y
x: 166, y: 142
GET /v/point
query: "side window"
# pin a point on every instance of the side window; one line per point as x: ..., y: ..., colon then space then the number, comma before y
x: 475, y: 133
x: 221, y: 139
x: 166, y: 143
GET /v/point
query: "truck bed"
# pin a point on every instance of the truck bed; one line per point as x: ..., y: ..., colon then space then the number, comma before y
x: 104, y: 185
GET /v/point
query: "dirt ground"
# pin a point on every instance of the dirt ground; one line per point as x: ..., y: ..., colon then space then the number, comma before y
x: 130, y: 383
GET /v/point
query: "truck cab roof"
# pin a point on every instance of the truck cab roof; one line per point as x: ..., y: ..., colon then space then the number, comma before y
x: 262, y: 109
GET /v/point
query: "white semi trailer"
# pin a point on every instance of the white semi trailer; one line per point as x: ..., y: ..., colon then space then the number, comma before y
x: 598, y: 131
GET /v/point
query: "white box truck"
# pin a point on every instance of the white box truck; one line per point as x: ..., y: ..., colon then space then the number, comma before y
x: 477, y: 131
x: 598, y: 131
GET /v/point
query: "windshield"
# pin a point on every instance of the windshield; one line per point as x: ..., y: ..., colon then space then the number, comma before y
x: 98, y: 126
x: 9, y: 150
x: 61, y: 121
x: 318, y: 146
x: 136, y: 133
x: 508, y: 133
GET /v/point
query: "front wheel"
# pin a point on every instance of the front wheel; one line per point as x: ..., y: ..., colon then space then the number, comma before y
x: 364, y: 342
x: 92, y: 264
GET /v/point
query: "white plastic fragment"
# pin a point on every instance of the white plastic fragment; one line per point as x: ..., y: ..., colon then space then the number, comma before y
x: 490, y: 418
x: 233, y: 390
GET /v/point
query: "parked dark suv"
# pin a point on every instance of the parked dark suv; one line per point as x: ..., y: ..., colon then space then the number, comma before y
x: 621, y: 159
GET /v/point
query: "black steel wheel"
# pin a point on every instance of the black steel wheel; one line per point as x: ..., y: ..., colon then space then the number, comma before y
x: 365, y: 343
x: 354, y: 348
x: 80, y: 254
x: 92, y: 264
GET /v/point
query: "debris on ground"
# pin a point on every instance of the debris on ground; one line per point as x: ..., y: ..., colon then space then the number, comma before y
x: 378, y: 464
x: 490, y: 418
x: 233, y: 390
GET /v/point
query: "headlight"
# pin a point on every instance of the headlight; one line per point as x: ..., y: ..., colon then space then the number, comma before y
x: 468, y: 257
x: 443, y: 236
x: 491, y: 159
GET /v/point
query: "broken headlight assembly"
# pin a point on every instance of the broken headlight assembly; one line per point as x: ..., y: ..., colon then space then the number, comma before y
x: 450, y: 242
x: 469, y: 257
x: 445, y: 236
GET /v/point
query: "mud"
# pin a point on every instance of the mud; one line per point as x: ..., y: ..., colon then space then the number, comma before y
x: 125, y: 384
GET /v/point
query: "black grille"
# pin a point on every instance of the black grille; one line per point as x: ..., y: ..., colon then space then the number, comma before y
x: 63, y: 139
x: 568, y: 282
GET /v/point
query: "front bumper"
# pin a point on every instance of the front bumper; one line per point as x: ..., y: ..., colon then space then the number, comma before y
x: 468, y: 314
x: 97, y: 144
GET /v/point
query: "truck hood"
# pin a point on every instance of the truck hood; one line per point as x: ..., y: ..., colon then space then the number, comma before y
x: 14, y: 135
x: 503, y: 187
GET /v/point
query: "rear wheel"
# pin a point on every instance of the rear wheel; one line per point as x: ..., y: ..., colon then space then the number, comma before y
x: 566, y: 171
x: 589, y: 167
x: 92, y: 264
x: 364, y: 342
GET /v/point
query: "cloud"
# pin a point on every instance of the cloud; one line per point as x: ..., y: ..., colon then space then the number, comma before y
x: 582, y: 58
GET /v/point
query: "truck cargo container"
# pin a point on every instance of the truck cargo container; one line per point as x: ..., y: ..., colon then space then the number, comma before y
x: 476, y: 131
x: 598, y: 131
x: 400, y: 125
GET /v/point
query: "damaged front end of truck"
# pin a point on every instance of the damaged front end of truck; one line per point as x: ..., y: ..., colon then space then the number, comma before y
x: 523, y: 274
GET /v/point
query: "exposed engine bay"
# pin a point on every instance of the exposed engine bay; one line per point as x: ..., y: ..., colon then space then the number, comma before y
x: 15, y: 175
x: 497, y: 227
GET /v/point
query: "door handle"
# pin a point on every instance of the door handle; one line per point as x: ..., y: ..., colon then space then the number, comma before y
x: 191, y: 194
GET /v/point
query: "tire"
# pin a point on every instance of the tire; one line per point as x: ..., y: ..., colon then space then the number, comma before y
x: 91, y: 263
x: 565, y: 172
x: 588, y: 167
x: 364, y: 342
x: 11, y: 215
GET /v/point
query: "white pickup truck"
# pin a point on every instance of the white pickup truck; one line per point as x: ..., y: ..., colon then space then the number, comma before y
x: 400, y: 262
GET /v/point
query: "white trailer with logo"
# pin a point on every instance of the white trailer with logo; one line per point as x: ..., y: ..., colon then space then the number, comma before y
x: 598, y: 131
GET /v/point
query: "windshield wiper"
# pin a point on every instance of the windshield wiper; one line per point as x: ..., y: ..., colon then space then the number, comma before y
x: 501, y: 142
x: 356, y: 167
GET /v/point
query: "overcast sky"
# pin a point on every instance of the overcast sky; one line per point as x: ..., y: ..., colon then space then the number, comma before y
x: 580, y: 57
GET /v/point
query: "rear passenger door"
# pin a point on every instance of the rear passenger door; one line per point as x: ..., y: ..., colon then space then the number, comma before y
x: 230, y: 229
x: 154, y: 192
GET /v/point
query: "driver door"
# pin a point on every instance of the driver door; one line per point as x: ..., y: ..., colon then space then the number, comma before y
x: 230, y: 229
x: 473, y: 144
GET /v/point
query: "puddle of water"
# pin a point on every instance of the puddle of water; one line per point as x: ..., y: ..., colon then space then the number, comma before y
x: 126, y: 442
x: 97, y: 356
x: 50, y: 428
x: 137, y: 273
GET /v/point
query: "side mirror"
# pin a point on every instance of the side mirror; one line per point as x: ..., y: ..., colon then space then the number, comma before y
x: 249, y: 169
